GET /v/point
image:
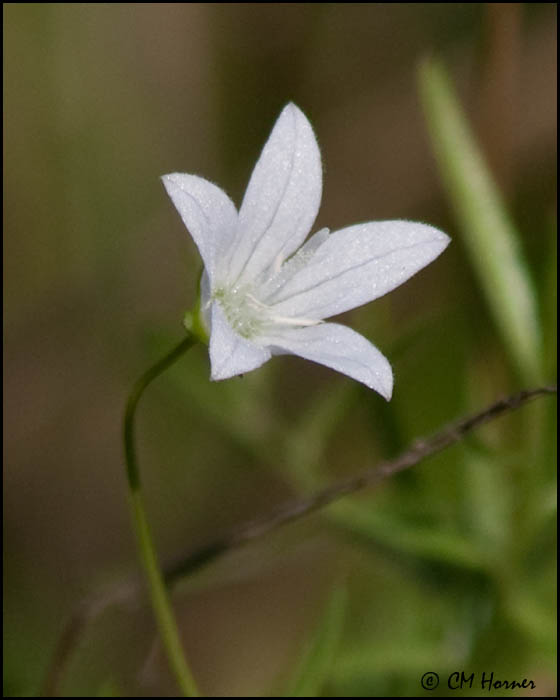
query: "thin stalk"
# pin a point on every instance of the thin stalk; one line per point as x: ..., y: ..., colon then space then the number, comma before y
x: 158, y: 593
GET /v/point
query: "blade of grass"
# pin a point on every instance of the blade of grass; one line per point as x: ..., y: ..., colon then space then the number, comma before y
x: 490, y: 236
x: 317, y: 662
x: 369, y: 525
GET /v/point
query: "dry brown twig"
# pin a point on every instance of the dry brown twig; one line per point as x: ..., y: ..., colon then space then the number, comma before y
x: 421, y: 449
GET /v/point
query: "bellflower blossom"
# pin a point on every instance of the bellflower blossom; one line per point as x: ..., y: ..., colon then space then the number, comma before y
x: 264, y: 291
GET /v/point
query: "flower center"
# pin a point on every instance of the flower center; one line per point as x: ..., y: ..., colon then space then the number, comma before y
x: 241, y: 309
x: 248, y: 316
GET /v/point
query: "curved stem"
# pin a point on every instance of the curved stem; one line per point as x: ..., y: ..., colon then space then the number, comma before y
x: 89, y: 610
x: 158, y: 593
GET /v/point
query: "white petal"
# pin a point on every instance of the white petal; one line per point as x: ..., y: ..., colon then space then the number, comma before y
x: 231, y: 354
x: 275, y: 277
x: 205, y: 301
x: 207, y: 212
x: 315, y: 241
x: 356, y: 265
x: 282, y: 198
x: 339, y: 348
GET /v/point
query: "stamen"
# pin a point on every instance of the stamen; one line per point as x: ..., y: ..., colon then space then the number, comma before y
x: 249, y: 316
x: 296, y: 321
x: 277, y: 264
x: 290, y: 321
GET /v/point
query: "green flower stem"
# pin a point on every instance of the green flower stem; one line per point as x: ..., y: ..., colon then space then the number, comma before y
x: 158, y: 592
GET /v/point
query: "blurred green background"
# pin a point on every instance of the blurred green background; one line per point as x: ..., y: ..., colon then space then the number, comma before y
x: 448, y: 567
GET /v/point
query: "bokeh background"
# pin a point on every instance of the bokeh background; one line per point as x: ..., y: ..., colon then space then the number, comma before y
x: 448, y: 567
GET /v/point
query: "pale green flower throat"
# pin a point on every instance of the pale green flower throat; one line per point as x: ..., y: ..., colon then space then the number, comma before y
x: 250, y: 317
x: 241, y: 310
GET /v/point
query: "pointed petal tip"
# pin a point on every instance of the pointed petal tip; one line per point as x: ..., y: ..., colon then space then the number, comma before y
x: 387, y: 392
x: 443, y: 238
x: 383, y: 383
x: 291, y: 106
x: 172, y: 180
x: 384, y: 380
x: 430, y: 232
x: 380, y: 378
x: 437, y: 235
x: 298, y: 114
x: 218, y: 376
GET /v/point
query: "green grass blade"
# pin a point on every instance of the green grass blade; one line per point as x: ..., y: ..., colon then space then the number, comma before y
x: 489, y: 235
x: 318, y: 658
x: 371, y: 525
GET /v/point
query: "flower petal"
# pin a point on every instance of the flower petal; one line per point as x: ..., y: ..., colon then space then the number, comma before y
x: 339, y: 348
x: 282, y: 198
x: 356, y: 265
x: 275, y: 277
x: 231, y: 354
x: 315, y: 241
x: 207, y: 212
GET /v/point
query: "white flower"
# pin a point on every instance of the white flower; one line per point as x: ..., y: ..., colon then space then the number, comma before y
x: 263, y: 293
